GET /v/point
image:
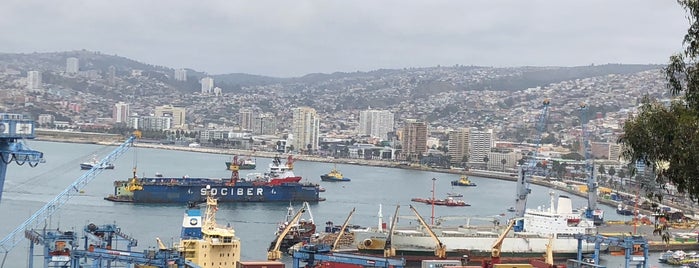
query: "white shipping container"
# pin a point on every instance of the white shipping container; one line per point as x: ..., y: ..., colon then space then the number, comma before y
x: 440, y: 263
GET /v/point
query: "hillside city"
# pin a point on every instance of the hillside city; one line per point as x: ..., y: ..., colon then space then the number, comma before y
x: 456, y: 116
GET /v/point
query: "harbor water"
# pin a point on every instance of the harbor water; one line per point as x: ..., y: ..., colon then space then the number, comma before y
x: 28, y: 189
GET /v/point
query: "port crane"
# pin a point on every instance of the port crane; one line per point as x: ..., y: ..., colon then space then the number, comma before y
x: 440, y: 250
x: 591, y: 211
x: 14, y: 128
x: 496, y: 249
x: 388, y: 249
x: 313, y: 255
x: 44, y: 213
x: 274, y: 254
x: 342, y: 230
x: 629, y: 243
x: 526, y: 170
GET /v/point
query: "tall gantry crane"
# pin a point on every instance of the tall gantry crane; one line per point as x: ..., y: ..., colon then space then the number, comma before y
x: 526, y: 170
x: 13, y: 129
x: 591, y: 212
x: 42, y: 215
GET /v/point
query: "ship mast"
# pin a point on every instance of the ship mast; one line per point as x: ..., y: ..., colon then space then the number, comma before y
x: 235, y: 168
x: 211, y: 208
x: 432, y: 218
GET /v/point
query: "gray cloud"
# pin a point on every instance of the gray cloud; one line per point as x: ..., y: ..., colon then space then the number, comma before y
x: 292, y: 38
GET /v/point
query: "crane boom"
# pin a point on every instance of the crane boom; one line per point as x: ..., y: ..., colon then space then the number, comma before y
x: 41, y: 215
x: 440, y: 251
x: 526, y: 170
x: 592, y: 184
x: 273, y: 254
x: 342, y: 230
x: 388, y: 249
x: 497, y: 246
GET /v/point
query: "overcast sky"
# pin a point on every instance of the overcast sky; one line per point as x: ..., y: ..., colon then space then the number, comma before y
x: 292, y: 38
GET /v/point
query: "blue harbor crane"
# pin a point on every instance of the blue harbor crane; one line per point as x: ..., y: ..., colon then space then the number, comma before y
x: 41, y: 216
x: 526, y: 170
x: 591, y: 212
x: 102, y: 247
x: 14, y: 128
x: 314, y: 254
x: 630, y: 243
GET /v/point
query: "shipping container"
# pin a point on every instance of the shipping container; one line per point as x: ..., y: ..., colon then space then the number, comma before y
x: 259, y: 264
x: 440, y: 263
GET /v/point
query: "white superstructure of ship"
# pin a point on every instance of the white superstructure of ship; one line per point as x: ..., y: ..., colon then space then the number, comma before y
x: 538, y: 226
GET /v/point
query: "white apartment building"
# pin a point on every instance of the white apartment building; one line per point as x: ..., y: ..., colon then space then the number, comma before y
x: 305, y: 128
x: 181, y: 75
x: 376, y: 123
x: 72, y: 65
x: 34, y: 80
x: 207, y: 85
x: 121, y: 112
x: 480, y: 144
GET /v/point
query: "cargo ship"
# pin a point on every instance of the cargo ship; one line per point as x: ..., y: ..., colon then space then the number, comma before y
x: 269, y: 187
x: 476, y: 241
x: 202, y: 241
x: 247, y: 164
x: 300, y: 231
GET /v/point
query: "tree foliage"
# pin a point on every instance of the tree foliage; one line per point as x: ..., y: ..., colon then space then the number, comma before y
x: 665, y: 137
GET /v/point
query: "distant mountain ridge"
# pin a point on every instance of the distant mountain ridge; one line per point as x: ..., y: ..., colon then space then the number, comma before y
x: 528, y: 76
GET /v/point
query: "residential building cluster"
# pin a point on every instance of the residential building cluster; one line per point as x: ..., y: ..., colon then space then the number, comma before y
x: 440, y: 115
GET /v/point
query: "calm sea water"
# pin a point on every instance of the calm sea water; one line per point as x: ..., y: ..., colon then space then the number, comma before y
x: 28, y: 189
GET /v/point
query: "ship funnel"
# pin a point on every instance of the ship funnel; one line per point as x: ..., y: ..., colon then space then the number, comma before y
x: 565, y: 206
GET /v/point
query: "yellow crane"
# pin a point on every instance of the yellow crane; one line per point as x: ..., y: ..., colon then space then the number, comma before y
x: 342, y: 230
x: 161, y: 245
x: 274, y: 254
x: 497, y: 246
x: 388, y: 249
x: 549, y: 252
x: 441, y: 250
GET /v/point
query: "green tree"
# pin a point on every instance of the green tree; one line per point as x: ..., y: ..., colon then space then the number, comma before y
x: 622, y: 173
x: 485, y: 162
x: 601, y: 169
x: 611, y: 171
x: 664, y: 137
x: 503, y: 161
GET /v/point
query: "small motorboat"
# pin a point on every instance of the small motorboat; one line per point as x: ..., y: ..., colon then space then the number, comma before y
x: 452, y: 194
x: 95, y: 163
x: 511, y: 209
x: 462, y: 181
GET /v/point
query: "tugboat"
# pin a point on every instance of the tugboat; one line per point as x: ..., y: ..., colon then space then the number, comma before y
x: 462, y: 181
x: 334, y: 175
